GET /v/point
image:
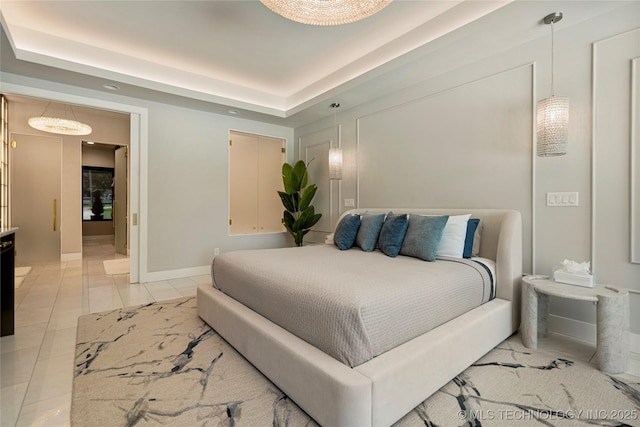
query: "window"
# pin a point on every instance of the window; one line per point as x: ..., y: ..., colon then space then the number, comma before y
x: 97, y: 193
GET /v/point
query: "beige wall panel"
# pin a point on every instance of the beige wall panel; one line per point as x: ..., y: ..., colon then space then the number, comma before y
x: 469, y: 146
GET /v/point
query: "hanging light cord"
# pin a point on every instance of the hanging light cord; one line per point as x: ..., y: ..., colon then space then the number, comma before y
x: 552, y: 58
x: 335, y: 106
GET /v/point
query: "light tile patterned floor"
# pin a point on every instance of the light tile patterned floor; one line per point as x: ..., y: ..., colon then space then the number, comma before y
x: 37, y: 362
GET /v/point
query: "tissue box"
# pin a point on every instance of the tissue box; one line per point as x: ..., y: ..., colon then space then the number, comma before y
x: 578, y: 279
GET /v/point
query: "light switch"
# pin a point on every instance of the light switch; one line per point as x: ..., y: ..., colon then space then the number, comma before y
x: 566, y: 198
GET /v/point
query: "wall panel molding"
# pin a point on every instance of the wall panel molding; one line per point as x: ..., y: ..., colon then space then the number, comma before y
x: 635, y: 161
x: 466, y: 146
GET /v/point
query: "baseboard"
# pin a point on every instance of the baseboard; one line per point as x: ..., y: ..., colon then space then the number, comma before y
x: 156, y: 276
x: 584, y: 331
x: 71, y: 257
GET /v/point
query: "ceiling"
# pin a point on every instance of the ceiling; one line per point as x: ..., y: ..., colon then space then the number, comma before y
x: 238, y: 55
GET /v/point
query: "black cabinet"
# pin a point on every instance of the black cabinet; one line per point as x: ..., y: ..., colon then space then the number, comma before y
x: 7, y: 283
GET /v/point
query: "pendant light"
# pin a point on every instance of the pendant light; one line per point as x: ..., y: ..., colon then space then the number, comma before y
x: 63, y: 126
x: 335, y: 153
x: 552, y: 125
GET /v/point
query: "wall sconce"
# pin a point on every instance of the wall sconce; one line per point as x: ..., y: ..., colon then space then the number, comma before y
x: 335, y: 153
x: 552, y: 125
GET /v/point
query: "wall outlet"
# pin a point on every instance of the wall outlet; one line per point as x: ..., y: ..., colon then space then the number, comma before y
x: 216, y: 251
x: 349, y: 202
x: 566, y: 198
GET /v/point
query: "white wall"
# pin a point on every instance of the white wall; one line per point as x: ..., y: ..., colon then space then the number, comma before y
x: 183, y: 197
x: 188, y: 186
x: 411, y: 148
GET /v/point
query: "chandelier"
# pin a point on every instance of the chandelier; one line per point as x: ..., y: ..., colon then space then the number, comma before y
x: 59, y: 125
x: 325, y: 12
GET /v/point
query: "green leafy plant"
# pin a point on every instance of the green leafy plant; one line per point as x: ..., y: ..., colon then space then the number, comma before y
x: 299, y: 215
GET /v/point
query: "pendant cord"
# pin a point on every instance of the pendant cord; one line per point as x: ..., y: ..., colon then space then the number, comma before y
x: 552, y: 59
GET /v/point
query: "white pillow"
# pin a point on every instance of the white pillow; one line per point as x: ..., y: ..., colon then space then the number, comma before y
x: 453, y: 236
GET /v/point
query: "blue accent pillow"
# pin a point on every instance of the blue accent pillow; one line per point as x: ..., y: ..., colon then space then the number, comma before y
x: 370, y: 226
x: 423, y: 236
x: 472, y: 224
x: 346, y: 231
x: 392, y: 233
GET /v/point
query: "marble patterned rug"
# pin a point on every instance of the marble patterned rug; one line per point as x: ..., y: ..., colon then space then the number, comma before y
x: 160, y: 364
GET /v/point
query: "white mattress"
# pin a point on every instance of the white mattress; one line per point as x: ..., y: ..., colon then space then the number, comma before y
x: 353, y: 305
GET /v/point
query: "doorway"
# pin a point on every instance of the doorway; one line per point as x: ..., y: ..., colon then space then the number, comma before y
x: 108, y: 125
x: 105, y: 205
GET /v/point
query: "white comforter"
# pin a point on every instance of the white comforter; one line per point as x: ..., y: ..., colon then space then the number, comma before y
x: 353, y: 305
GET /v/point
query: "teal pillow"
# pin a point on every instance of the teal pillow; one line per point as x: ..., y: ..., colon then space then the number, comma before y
x: 392, y: 234
x: 370, y: 226
x: 423, y: 236
x: 346, y: 231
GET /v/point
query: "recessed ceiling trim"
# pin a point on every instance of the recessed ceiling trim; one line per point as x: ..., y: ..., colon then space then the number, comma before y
x: 71, y: 55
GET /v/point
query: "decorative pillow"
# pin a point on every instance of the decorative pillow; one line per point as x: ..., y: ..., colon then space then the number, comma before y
x: 453, y: 236
x: 392, y: 234
x: 472, y: 226
x: 369, y: 231
x: 423, y: 236
x: 346, y: 231
x: 475, y: 251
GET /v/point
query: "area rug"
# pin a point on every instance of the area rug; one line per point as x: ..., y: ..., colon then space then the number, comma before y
x: 19, y: 274
x: 160, y: 364
x: 113, y: 267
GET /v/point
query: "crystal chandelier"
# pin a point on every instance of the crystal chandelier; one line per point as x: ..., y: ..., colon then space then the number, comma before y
x: 59, y: 125
x: 325, y: 12
x: 552, y: 124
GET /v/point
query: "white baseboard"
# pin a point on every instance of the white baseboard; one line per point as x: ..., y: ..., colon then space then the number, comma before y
x: 71, y: 257
x: 584, y: 331
x: 156, y: 276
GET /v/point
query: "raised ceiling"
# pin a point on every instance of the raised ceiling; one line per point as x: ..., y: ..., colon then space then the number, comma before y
x: 240, y: 55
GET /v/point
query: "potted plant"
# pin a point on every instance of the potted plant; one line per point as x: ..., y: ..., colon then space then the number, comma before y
x: 96, y: 205
x: 299, y: 215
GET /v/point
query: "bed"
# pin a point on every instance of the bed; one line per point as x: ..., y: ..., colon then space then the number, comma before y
x: 356, y: 372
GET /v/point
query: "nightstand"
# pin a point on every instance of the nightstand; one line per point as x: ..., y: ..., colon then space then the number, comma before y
x: 612, y: 352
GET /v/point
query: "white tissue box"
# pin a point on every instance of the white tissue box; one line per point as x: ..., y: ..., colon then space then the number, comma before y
x: 578, y: 279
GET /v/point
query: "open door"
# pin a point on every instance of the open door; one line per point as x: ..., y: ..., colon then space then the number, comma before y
x: 120, y: 200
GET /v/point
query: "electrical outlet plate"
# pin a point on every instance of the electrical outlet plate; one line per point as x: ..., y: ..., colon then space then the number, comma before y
x: 561, y: 199
x: 349, y: 203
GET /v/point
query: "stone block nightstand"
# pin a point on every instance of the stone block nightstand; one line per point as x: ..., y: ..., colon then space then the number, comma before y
x: 612, y: 351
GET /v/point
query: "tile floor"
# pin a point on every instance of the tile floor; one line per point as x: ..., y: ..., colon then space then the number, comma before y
x: 37, y: 362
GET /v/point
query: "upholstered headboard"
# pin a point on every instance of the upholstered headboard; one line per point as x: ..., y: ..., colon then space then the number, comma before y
x: 501, y: 240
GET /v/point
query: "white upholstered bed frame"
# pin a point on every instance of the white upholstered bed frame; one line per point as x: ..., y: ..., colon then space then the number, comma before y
x: 384, y: 389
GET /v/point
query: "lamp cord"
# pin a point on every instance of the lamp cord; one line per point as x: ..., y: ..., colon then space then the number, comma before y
x: 552, y: 59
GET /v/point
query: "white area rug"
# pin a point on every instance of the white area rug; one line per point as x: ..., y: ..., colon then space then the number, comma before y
x: 160, y: 364
x: 20, y: 272
x: 113, y: 267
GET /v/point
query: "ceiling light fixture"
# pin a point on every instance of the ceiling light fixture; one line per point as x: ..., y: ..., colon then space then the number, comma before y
x: 59, y: 125
x: 325, y: 12
x: 552, y: 126
x: 335, y: 153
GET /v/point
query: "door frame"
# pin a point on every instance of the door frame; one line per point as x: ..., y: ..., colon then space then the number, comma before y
x: 138, y: 162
